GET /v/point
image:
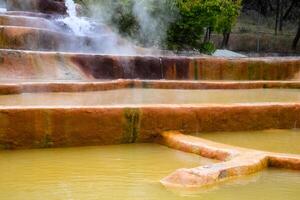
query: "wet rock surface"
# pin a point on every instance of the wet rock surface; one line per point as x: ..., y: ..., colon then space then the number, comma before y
x: 93, y: 66
x: 43, y: 6
x: 236, y: 161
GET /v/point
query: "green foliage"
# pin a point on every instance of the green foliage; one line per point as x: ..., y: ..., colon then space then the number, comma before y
x: 195, y: 15
x: 207, y: 47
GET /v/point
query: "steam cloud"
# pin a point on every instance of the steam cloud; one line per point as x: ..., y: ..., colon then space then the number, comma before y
x: 153, y: 26
x: 2, y: 4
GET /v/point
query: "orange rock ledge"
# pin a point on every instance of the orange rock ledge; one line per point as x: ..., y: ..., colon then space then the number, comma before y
x: 236, y: 161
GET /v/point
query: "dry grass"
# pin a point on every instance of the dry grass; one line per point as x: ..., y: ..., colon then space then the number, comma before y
x: 253, y: 22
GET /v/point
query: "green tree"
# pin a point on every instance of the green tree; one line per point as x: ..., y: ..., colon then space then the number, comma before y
x: 196, y: 16
x: 229, y: 11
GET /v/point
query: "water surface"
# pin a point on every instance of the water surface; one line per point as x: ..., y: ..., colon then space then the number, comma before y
x: 127, y: 172
x: 151, y: 96
x: 282, y: 141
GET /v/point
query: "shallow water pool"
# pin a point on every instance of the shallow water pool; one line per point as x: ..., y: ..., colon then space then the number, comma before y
x: 125, y: 172
x: 151, y: 96
x: 282, y: 141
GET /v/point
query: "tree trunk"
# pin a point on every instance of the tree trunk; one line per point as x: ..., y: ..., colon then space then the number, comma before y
x: 207, y: 35
x: 225, y: 41
x: 277, y: 16
x: 296, y: 40
x: 281, y: 15
x: 270, y: 5
x: 263, y: 5
x: 287, y: 12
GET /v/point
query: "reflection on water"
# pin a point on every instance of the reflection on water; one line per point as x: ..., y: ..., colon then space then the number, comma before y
x: 152, y: 96
x: 283, y: 141
x: 125, y: 172
x: 107, y: 172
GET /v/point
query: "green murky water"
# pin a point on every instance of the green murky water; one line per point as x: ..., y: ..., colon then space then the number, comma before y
x: 151, y: 96
x: 125, y: 172
x: 283, y: 141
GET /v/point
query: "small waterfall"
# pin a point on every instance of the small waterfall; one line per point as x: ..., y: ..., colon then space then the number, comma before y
x: 71, y: 8
x: 79, y: 25
x: 102, y: 39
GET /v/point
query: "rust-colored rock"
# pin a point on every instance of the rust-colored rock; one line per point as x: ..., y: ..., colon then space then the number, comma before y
x: 29, y: 14
x: 44, y: 6
x: 284, y: 161
x: 33, y: 22
x: 27, y: 38
x: 16, y: 87
x: 95, y: 66
x: 76, y: 126
x: 29, y: 65
x: 38, y: 128
x: 211, y: 174
x: 237, y: 161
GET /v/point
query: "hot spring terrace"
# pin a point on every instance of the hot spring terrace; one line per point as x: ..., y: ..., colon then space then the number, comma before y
x: 75, y: 66
x: 51, y: 99
x: 57, y: 92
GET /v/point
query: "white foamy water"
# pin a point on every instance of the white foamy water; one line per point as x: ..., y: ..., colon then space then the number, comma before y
x: 79, y: 25
x: 110, y: 42
x: 71, y: 8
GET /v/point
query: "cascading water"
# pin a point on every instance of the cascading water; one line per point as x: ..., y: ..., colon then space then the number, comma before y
x: 71, y: 8
x: 101, y: 38
x: 79, y: 25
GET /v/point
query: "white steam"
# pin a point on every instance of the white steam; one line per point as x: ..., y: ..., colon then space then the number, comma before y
x: 153, y: 26
x: 153, y: 18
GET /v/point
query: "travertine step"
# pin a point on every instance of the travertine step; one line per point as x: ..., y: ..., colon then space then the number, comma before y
x: 61, y: 126
x: 27, y: 21
x: 39, y: 86
x: 62, y: 66
x: 28, y: 38
x: 34, y: 59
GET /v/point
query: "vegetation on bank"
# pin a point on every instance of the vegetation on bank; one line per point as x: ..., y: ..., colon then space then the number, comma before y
x: 188, y: 24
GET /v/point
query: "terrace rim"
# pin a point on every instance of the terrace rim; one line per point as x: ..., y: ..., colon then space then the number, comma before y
x: 38, y: 65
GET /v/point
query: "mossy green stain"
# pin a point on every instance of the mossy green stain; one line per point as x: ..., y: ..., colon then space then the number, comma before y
x: 47, y: 142
x: 131, y: 85
x: 131, y: 125
x: 145, y: 85
x: 267, y: 71
x: 252, y: 71
x: 228, y: 72
x: 6, y: 146
x: 196, y: 70
x: 3, y: 42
